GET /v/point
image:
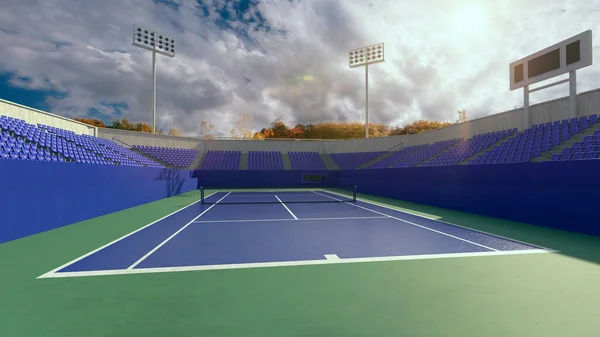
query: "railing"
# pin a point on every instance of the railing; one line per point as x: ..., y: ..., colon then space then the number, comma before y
x: 122, y: 142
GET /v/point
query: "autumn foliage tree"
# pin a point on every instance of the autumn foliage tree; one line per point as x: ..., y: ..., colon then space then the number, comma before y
x: 125, y: 124
x: 91, y: 121
x: 418, y: 127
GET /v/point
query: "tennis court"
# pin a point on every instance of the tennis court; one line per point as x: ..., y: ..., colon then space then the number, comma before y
x: 255, y: 229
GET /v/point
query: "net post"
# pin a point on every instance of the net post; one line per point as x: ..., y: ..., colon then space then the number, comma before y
x: 354, y: 193
x: 201, y: 195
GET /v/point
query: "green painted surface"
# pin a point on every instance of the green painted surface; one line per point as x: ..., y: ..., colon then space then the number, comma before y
x: 522, y: 295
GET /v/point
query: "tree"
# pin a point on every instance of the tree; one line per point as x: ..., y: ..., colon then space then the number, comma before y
x: 143, y: 127
x: 243, y: 127
x: 417, y: 127
x: 462, y: 116
x: 91, y: 121
x: 175, y: 132
x: 279, y: 129
x: 205, y: 129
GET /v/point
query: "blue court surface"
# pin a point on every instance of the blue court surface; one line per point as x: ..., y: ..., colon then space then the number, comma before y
x: 282, y: 230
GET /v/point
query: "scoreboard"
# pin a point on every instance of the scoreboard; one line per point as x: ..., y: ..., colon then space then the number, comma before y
x: 571, y: 54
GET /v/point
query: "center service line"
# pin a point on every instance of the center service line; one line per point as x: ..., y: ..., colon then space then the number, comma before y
x: 282, y: 204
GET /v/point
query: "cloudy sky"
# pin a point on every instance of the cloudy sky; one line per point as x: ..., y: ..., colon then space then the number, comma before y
x: 251, y: 58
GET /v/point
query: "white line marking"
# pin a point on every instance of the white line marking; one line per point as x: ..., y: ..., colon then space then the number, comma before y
x: 299, y: 219
x: 332, y: 257
x: 412, y: 223
x: 366, y: 201
x: 173, y: 235
x: 286, y: 263
x: 282, y: 204
x: 119, y: 239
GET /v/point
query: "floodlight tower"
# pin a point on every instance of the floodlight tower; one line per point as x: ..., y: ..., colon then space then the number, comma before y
x: 156, y: 43
x: 363, y: 57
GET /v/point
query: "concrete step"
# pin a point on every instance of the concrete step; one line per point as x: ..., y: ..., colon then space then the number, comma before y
x: 437, y: 154
x: 376, y: 159
x: 487, y: 149
x: 329, y: 163
x: 287, y: 164
x: 244, y: 161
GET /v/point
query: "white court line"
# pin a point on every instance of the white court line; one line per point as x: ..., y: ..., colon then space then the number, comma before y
x: 119, y: 239
x: 374, y: 203
x: 174, y: 234
x: 331, y: 257
x: 299, y: 219
x: 282, y: 204
x: 286, y: 263
x: 412, y: 223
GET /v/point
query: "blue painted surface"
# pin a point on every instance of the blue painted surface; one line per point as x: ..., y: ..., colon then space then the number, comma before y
x: 560, y: 195
x: 257, y: 179
x: 39, y: 196
x: 124, y: 253
x: 216, y: 241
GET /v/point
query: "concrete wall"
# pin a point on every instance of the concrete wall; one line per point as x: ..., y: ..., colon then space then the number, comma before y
x: 34, y: 116
x: 143, y: 138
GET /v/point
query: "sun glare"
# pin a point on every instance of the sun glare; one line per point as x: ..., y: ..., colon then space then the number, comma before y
x: 469, y: 19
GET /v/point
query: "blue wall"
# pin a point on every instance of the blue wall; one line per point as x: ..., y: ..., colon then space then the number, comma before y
x: 256, y: 179
x: 39, y: 196
x: 562, y: 195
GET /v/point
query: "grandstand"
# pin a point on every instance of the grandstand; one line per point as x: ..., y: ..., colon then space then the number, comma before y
x: 102, y: 212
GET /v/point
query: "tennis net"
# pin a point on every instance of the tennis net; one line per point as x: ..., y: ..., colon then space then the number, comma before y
x: 344, y: 194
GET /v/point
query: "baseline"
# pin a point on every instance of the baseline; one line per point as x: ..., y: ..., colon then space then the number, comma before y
x: 286, y: 264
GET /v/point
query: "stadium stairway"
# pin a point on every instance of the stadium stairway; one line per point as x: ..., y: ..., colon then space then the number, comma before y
x: 329, y: 163
x: 386, y: 154
x: 149, y: 157
x: 199, y: 158
x: 487, y: 149
x: 547, y: 155
x: 244, y: 161
x: 438, y: 154
x: 287, y: 164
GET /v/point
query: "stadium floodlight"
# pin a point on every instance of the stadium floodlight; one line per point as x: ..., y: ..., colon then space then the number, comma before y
x: 156, y: 43
x: 561, y: 58
x: 363, y: 57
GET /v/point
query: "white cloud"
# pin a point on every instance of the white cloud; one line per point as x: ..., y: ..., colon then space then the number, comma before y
x: 441, y: 56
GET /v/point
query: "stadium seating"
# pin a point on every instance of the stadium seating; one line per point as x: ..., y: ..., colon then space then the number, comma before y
x: 398, y: 156
x: 532, y: 142
x: 222, y: 160
x: 426, y: 153
x: 20, y: 140
x: 468, y: 148
x: 174, y: 157
x: 307, y: 161
x: 265, y: 160
x: 350, y: 161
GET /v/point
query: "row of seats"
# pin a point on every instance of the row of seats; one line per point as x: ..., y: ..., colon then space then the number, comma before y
x: 265, y: 160
x: 23, y: 141
x: 533, y: 141
x: 222, y: 160
x: 352, y: 160
x: 174, y: 157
